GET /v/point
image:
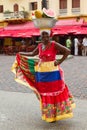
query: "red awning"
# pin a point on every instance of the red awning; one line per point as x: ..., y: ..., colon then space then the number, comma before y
x: 25, y: 33
x: 67, y: 26
x: 69, y: 30
x: 69, y: 22
x: 28, y: 29
x: 22, y: 30
x: 82, y: 30
x: 24, y: 26
x: 5, y: 33
x: 21, y: 33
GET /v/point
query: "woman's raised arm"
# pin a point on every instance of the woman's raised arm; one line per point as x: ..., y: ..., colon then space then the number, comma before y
x: 33, y: 53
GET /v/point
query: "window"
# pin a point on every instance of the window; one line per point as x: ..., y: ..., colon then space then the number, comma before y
x: 1, y: 8
x: 16, y: 8
x: 75, y: 3
x: 45, y: 3
x: 63, y: 4
x: 33, y: 5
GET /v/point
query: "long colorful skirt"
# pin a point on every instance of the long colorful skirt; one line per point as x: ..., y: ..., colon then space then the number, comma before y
x: 47, y: 81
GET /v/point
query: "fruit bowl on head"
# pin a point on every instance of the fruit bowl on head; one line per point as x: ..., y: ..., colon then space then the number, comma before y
x: 44, y: 22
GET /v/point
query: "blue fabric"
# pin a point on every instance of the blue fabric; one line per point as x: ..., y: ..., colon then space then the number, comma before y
x: 47, y: 76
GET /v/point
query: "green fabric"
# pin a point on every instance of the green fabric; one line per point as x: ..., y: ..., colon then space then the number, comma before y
x: 31, y: 64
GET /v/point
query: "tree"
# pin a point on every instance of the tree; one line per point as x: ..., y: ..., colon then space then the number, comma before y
x: 44, y: 4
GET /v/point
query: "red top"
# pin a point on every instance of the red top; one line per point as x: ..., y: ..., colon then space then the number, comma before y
x: 48, y: 54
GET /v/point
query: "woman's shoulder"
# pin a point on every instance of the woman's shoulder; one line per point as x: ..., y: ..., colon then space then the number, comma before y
x: 53, y: 43
x: 39, y: 45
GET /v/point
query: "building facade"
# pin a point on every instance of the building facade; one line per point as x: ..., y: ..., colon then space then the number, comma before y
x: 14, y: 10
x: 63, y: 8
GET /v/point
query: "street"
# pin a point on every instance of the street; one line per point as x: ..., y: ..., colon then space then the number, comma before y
x: 20, y: 109
x: 75, y: 70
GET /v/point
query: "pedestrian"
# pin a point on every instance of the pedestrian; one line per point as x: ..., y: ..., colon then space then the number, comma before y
x: 76, y: 45
x: 84, y: 46
x: 80, y: 47
x: 46, y: 78
x: 68, y: 43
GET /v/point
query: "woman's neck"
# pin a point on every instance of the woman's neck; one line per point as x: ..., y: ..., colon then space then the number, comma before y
x: 45, y: 46
x: 46, y: 43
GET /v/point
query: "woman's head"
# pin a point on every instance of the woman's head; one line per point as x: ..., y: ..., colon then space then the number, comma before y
x: 45, y: 35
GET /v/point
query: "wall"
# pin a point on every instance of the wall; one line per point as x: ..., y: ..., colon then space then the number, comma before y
x: 53, y: 4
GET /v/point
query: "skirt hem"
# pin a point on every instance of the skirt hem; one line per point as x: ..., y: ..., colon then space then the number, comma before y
x: 61, y: 117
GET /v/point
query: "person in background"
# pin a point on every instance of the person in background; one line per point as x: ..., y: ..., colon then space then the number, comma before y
x: 47, y: 79
x: 23, y: 42
x: 84, y: 46
x: 33, y: 41
x: 76, y: 45
x: 68, y: 43
x: 80, y: 46
x: 23, y: 45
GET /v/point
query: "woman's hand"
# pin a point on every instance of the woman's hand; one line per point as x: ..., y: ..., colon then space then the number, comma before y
x: 57, y: 62
x: 64, y: 51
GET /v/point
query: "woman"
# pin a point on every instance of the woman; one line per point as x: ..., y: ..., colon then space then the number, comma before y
x: 55, y: 98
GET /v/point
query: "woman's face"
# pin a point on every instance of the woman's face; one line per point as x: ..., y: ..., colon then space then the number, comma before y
x: 45, y: 37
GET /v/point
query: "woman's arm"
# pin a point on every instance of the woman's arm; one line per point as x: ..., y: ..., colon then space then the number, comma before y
x: 64, y: 51
x: 33, y: 53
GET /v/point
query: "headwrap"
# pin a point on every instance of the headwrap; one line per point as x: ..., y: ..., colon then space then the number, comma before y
x: 45, y: 30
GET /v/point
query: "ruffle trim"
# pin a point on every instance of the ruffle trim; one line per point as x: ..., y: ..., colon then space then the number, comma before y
x: 61, y: 117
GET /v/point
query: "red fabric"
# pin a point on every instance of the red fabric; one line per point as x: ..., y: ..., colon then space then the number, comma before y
x: 48, y: 54
x: 52, y: 92
x: 56, y: 99
x: 49, y: 87
x: 29, y: 80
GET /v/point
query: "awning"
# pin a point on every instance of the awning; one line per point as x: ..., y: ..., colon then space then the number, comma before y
x: 64, y: 30
x: 5, y: 33
x: 24, y: 26
x: 82, y: 30
x: 19, y: 33
x: 20, y: 30
x: 62, y: 27
x: 69, y: 22
x: 70, y: 26
x: 70, y: 29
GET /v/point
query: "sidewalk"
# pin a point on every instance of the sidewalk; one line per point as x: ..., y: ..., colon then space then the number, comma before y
x: 20, y: 111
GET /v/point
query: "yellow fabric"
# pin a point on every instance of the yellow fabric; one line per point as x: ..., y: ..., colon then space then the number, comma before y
x: 73, y: 105
x: 14, y: 66
x: 61, y: 117
x: 46, y: 66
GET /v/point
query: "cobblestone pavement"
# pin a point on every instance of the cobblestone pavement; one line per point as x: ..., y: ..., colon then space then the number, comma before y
x: 75, y: 70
